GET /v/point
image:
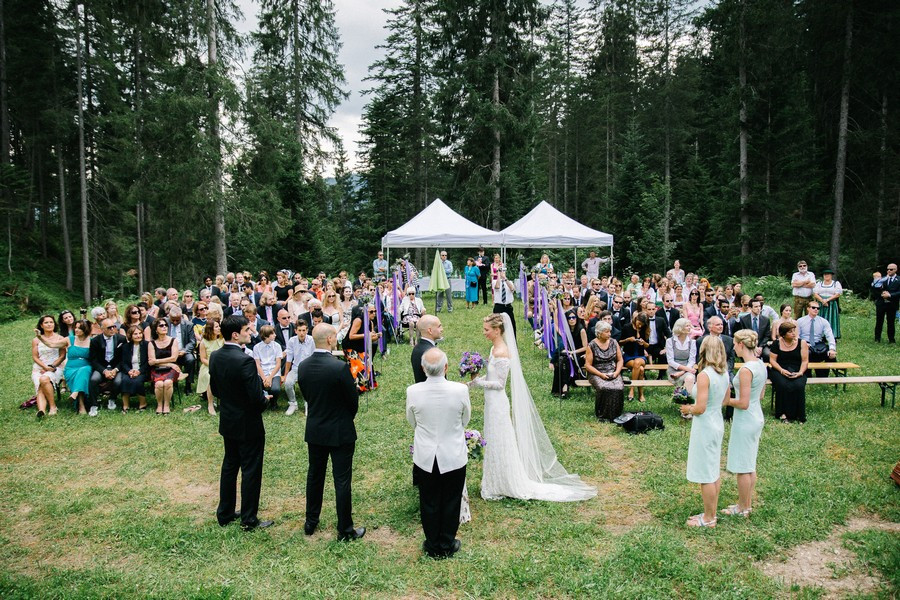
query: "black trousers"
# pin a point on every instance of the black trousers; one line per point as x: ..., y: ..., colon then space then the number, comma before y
x: 508, y: 309
x: 885, y: 310
x: 440, y: 495
x: 94, y: 387
x: 245, y: 456
x: 819, y: 357
x: 482, y: 285
x: 342, y: 470
x: 187, y: 363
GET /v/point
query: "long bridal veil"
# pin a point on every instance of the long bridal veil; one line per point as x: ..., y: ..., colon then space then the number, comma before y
x: 535, y: 448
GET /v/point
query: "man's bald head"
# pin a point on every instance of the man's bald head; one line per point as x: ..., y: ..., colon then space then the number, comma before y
x: 323, y: 334
x: 430, y: 327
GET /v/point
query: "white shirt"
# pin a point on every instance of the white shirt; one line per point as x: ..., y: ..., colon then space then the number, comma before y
x: 500, y: 295
x: 677, y: 276
x: 267, y: 354
x: 803, y: 292
x: 439, y: 410
x: 591, y: 267
x: 688, y: 345
x: 298, y: 351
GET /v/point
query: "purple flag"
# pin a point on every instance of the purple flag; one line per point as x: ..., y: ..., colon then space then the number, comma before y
x: 368, y: 346
x: 378, y: 307
x: 562, y: 324
x: 408, y: 275
x: 534, y: 313
x: 523, y: 289
x: 549, y: 338
x: 395, y: 310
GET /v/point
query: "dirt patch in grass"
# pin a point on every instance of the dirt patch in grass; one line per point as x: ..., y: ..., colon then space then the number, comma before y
x: 827, y: 564
x: 201, y: 496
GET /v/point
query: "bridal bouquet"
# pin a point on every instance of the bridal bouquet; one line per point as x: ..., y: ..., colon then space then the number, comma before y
x: 681, y: 396
x: 470, y: 363
x: 475, y: 443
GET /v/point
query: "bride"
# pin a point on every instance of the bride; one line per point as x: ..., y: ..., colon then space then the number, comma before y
x: 519, y: 460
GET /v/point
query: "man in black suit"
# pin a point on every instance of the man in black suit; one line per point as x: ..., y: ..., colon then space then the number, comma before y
x: 182, y: 330
x: 105, y: 356
x: 333, y: 399
x: 668, y: 311
x: 430, y: 331
x: 234, y: 381
x: 212, y: 289
x: 268, y: 308
x: 255, y: 324
x: 721, y: 309
x: 234, y: 305
x: 484, y: 267
x: 620, y: 313
x: 659, y: 333
x: 887, y: 290
x: 757, y: 322
x: 284, y: 330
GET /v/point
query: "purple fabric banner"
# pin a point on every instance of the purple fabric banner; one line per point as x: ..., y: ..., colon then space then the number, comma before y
x: 378, y: 320
x: 523, y: 290
x: 536, y: 292
x: 562, y: 324
x: 395, y: 310
x: 549, y: 338
x: 368, y: 346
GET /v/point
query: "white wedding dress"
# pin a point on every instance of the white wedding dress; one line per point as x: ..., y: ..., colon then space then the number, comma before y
x: 519, y: 460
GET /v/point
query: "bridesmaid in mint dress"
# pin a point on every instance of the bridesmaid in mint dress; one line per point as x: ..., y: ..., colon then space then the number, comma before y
x: 78, y: 369
x: 707, y: 428
x: 747, y: 426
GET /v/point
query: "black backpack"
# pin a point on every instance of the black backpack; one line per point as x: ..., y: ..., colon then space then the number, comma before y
x: 640, y: 422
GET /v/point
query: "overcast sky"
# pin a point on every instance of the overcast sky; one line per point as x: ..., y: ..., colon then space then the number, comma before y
x: 361, y: 27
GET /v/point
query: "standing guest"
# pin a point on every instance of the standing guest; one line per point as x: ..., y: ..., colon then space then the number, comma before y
x: 333, y: 399
x: 105, y: 357
x: 750, y: 383
x: 828, y: 293
x: 788, y: 361
x: 707, y: 428
x: 591, y: 265
x: 802, y: 284
x: 603, y: 362
x: 164, y: 371
x: 817, y: 333
x: 299, y: 347
x: 693, y: 312
x: 472, y: 274
x: 233, y: 379
x: 48, y: 357
x: 267, y: 355
x: 78, y: 365
x: 135, y: 367
x: 448, y: 293
x: 681, y: 355
x: 504, y: 295
x: 439, y: 411
x: 430, y: 331
x: 887, y: 289
x: 481, y: 261
x: 635, y: 340
x: 676, y: 274
x: 495, y: 267
x: 785, y: 315
x: 211, y: 341
x: 379, y: 267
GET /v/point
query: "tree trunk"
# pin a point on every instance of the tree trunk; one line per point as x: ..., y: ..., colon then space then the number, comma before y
x: 495, y: 163
x: 63, y: 218
x: 841, y: 166
x: 42, y: 201
x: 4, y: 107
x: 139, y: 209
x: 879, y: 216
x: 218, y: 192
x: 82, y: 168
x: 744, y: 179
x: 667, y: 210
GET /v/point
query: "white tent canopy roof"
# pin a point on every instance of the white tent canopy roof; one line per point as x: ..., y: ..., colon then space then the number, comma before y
x: 546, y: 227
x: 438, y: 225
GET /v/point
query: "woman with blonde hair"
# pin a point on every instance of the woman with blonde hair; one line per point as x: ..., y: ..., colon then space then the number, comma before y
x: 747, y: 426
x: 707, y: 428
x: 210, y: 342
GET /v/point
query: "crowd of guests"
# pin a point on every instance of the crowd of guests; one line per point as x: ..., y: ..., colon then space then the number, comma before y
x: 165, y: 340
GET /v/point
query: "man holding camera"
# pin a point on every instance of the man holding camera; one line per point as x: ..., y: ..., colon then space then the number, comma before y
x: 504, y: 295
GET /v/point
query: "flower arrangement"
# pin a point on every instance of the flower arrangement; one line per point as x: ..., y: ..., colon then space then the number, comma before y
x: 555, y: 293
x: 475, y: 443
x: 681, y: 396
x: 470, y: 364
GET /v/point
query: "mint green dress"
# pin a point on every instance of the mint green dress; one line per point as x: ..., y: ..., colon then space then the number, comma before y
x: 705, y: 449
x: 747, y: 426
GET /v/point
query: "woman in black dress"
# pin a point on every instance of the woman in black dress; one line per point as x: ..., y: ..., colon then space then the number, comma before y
x: 635, y: 339
x: 788, y: 361
x: 562, y: 375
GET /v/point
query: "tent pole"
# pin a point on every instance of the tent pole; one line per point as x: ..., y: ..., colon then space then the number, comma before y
x: 611, y: 265
x: 576, y: 262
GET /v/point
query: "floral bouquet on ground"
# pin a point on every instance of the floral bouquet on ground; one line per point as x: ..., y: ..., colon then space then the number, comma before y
x: 470, y: 364
x: 681, y: 396
x: 475, y: 443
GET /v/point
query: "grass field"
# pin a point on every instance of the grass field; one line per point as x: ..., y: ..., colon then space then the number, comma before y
x: 122, y: 506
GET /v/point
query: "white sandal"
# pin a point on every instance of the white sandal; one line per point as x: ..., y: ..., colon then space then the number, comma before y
x: 697, y: 521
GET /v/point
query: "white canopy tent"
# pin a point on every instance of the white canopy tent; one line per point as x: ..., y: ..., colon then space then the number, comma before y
x: 546, y: 227
x: 438, y: 225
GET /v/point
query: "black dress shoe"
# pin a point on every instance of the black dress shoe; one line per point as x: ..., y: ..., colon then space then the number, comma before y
x: 235, y: 517
x: 259, y: 525
x: 354, y: 535
x: 454, y: 548
x: 309, y: 528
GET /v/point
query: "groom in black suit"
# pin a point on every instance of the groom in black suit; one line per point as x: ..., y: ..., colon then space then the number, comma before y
x: 333, y: 399
x: 234, y: 381
x: 430, y: 331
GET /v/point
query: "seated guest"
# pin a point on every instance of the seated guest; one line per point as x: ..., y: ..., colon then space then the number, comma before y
x: 255, y: 324
x: 106, y: 358
x: 816, y: 331
x: 284, y: 329
x: 210, y: 341
x: 162, y: 357
x: 681, y: 355
x: 312, y: 304
x: 78, y: 365
x: 659, y: 333
x: 669, y: 311
x: 234, y: 305
x: 135, y: 367
x: 715, y: 328
x: 785, y: 315
x: 299, y: 348
x: 198, y: 321
x: 620, y: 312
x: 48, y: 353
x: 268, y: 308
x: 411, y: 309
x: 183, y: 331
x: 566, y: 367
x: 215, y: 312
x: 112, y: 312
x: 267, y: 354
x: 333, y: 312
x: 635, y: 341
x: 131, y: 318
x: 788, y: 361
x: 604, y: 363
x: 606, y: 316
x: 355, y: 346
x: 187, y: 304
x: 98, y: 313
x: 759, y: 324
x: 65, y: 321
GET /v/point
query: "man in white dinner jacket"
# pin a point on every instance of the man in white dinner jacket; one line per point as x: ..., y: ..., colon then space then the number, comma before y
x: 439, y: 410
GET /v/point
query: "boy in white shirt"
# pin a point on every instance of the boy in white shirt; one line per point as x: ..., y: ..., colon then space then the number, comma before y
x: 299, y: 348
x: 267, y: 355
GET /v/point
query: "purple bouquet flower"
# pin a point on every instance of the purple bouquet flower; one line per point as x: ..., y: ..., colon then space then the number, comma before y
x: 470, y: 363
x: 475, y: 443
x: 681, y: 396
